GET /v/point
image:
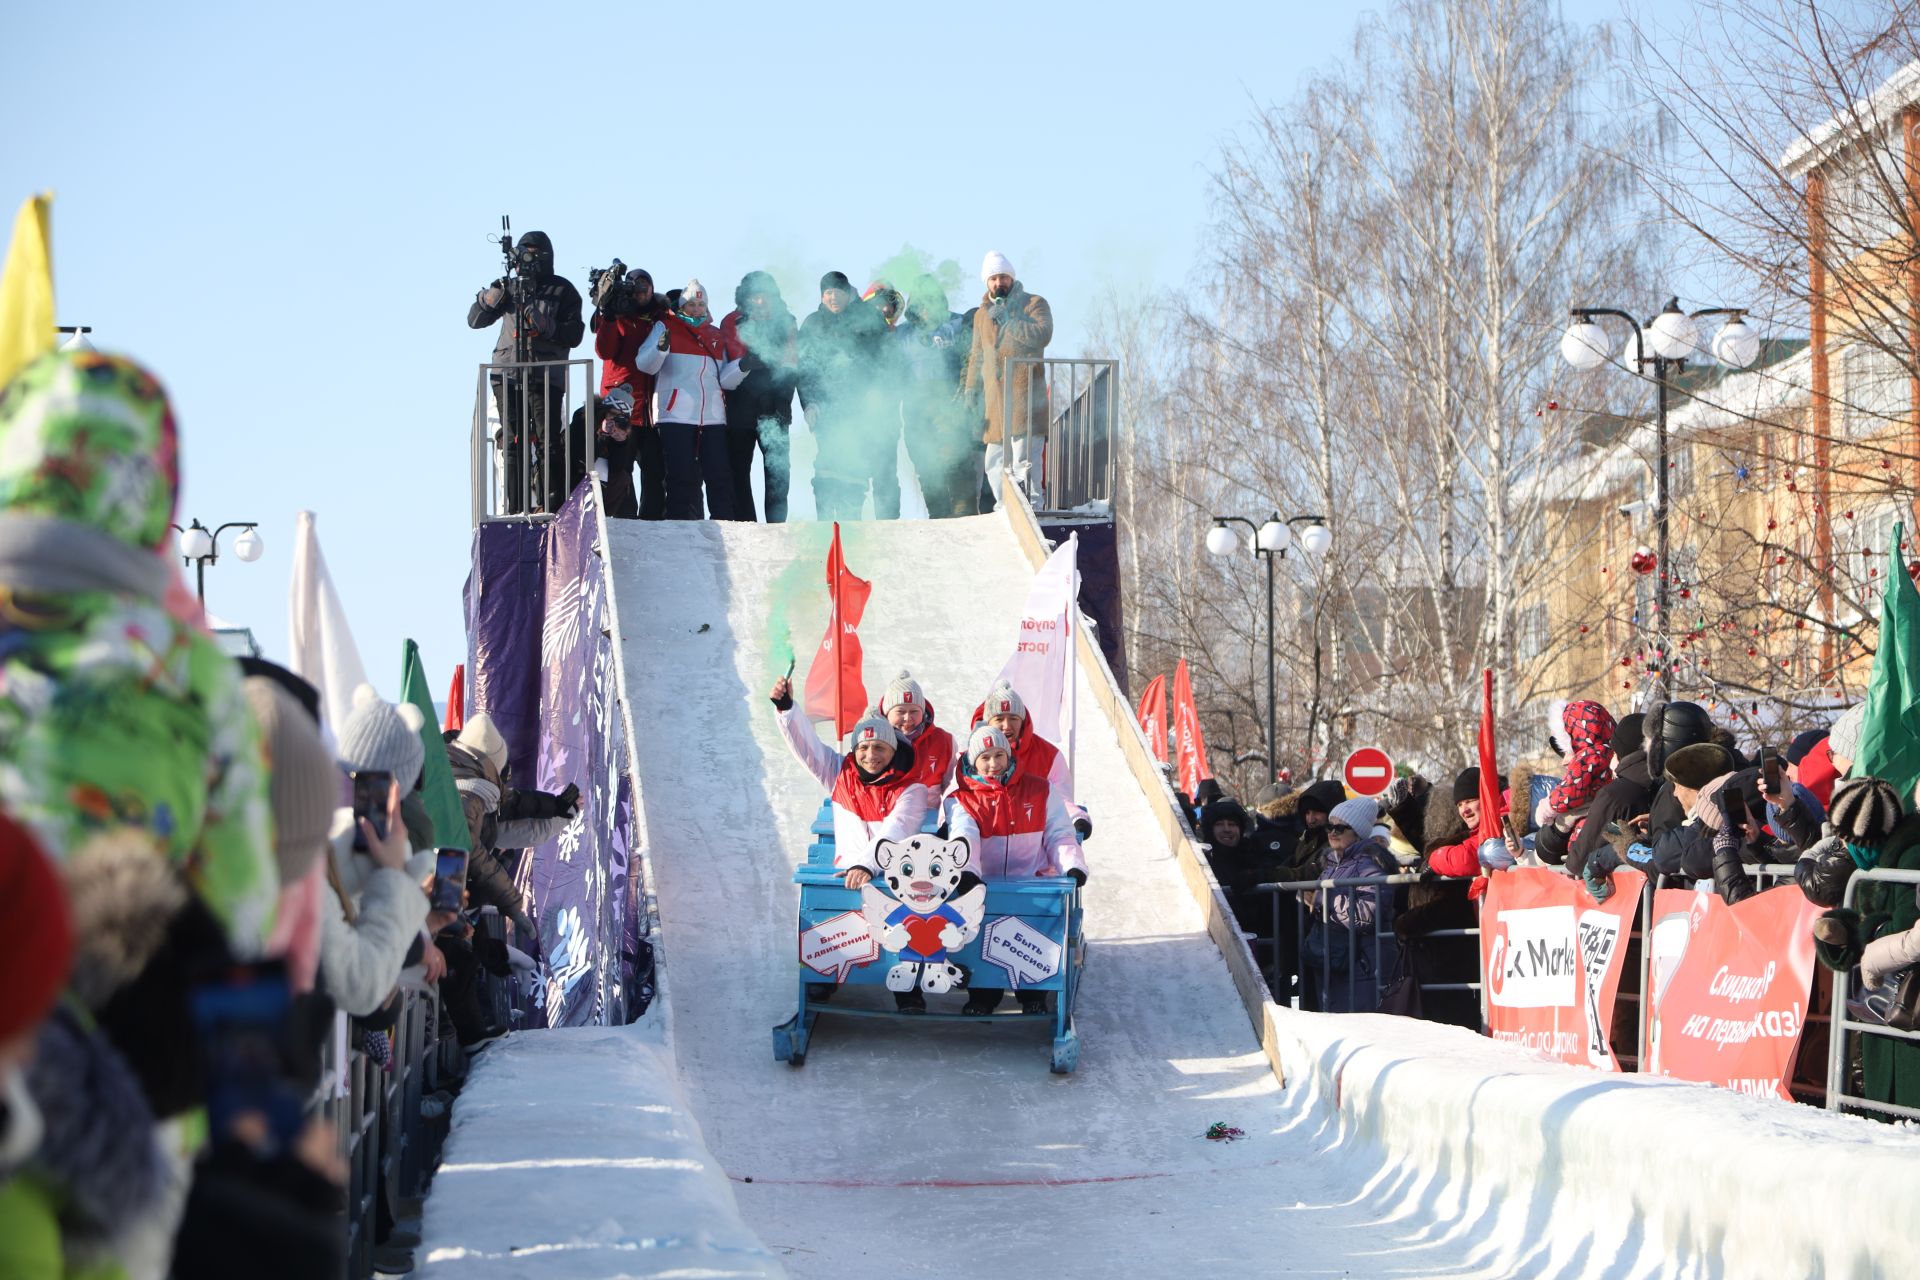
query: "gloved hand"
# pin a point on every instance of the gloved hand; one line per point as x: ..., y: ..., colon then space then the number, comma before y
x: 782, y: 694
x: 1599, y: 886
x: 494, y: 294
x: 747, y: 362
x: 1082, y: 827
x: 1079, y: 876
x: 1838, y: 939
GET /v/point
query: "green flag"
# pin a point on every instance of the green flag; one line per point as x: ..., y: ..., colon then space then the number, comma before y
x: 1890, y: 734
x: 442, y: 799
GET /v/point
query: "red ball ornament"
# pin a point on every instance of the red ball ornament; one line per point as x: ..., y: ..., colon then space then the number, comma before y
x: 1643, y: 561
x: 1686, y: 593
x: 1773, y: 524
x: 1583, y: 629
x: 1751, y: 651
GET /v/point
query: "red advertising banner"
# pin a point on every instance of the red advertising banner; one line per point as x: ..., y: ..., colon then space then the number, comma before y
x: 1192, y: 767
x: 1551, y: 959
x: 1731, y: 987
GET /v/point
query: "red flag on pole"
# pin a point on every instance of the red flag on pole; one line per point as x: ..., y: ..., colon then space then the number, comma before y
x: 457, y: 700
x: 1489, y: 828
x: 1191, y: 743
x: 1153, y: 717
x: 835, y: 689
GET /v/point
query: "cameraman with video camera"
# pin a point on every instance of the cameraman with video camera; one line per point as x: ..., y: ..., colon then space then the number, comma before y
x: 540, y: 320
x: 625, y: 309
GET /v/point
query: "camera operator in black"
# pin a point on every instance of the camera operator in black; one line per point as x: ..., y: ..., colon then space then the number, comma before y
x: 540, y: 315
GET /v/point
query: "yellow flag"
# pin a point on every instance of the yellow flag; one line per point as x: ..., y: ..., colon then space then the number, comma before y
x: 26, y: 289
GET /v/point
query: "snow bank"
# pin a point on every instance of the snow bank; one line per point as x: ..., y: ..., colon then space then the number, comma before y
x: 1567, y: 1171
x: 573, y: 1154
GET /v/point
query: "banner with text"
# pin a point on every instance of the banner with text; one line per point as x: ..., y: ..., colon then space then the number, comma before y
x: 1551, y: 959
x: 1731, y: 987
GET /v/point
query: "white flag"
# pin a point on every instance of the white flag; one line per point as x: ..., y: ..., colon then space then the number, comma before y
x: 1041, y: 668
x: 323, y: 652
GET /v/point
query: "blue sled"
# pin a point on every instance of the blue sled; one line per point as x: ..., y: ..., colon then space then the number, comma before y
x: 1046, y: 907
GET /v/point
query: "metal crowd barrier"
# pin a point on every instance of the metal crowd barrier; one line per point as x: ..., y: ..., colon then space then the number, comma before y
x: 1839, y: 1065
x: 1324, y: 891
x: 1074, y: 462
x: 531, y: 403
x: 387, y: 1145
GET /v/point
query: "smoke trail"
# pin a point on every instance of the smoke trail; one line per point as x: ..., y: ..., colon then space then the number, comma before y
x: 798, y: 600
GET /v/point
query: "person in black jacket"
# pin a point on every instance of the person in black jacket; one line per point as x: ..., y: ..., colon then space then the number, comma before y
x: 843, y: 357
x: 1673, y: 845
x: 539, y: 315
x: 761, y: 333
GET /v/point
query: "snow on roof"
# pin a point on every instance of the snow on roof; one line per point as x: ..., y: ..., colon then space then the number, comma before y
x: 1624, y: 465
x: 1817, y: 145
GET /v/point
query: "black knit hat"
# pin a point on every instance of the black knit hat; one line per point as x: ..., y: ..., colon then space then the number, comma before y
x: 1864, y: 811
x: 1628, y: 736
x: 1466, y: 784
x: 1803, y: 743
x: 1321, y: 796
x: 1696, y: 765
x: 836, y: 280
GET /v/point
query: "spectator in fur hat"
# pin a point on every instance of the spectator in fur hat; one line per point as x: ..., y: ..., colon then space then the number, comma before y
x: 1011, y: 323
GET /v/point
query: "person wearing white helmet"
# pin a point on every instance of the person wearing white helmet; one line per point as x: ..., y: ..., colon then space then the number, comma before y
x: 1006, y: 711
x: 1016, y: 826
x: 904, y: 705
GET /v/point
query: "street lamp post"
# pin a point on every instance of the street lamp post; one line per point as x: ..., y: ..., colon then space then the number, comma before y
x: 200, y: 547
x: 1271, y: 541
x: 1673, y: 336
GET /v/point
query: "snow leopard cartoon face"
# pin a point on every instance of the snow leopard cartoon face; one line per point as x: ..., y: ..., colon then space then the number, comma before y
x: 922, y: 871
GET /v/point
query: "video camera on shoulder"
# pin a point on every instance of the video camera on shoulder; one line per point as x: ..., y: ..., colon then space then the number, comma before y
x: 611, y: 293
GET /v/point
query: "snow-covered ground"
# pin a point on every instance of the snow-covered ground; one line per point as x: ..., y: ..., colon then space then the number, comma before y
x: 910, y: 1149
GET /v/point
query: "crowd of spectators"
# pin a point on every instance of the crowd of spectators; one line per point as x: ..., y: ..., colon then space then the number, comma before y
x: 1667, y: 793
x: 688, y: 398
x: 194, y: 911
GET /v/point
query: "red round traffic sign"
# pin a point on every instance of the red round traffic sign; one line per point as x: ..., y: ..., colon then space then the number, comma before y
x: 1368, y: 771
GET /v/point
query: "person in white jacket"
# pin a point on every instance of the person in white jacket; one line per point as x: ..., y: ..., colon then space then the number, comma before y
x: 874, y: 795
x: 688, y: 360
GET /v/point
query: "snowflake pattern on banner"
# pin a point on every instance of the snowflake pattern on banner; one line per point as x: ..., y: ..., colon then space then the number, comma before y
x: 580, y: 885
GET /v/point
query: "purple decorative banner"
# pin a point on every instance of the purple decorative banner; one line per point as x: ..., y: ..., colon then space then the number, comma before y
x: 504, y: 597
x: 583, y: 887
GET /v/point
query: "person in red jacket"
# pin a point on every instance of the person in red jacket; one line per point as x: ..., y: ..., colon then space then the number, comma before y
x: 617, y: 336
x: 1005, y: 711
x: 906, y: 708
x: 1016, y: 826
x: 1460, y: 854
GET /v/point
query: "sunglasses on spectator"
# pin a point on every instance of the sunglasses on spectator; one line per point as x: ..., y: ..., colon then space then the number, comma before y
x: 1338, y: 829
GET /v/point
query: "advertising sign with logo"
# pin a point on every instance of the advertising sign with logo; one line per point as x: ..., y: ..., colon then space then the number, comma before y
x: 1551, y: 960
x: 1731, y: 988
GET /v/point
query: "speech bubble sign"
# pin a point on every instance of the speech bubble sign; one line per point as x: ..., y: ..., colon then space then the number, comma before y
x: 839, y: 944
x: 1023, y: 950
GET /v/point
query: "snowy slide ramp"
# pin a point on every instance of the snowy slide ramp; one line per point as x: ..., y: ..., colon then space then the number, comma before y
x: 909, y: 1148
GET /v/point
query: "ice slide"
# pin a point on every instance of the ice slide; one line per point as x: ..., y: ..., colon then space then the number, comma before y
x: 915, y: 1149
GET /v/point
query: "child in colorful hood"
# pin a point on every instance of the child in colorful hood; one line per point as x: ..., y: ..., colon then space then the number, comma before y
x: 1016, y: 825
x: 1035, y: 756
x: 114, y: 713
x: 905, y: 706
x: 1589, y: 768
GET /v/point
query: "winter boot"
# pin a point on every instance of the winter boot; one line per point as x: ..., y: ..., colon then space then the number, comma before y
x: 909, y: 1002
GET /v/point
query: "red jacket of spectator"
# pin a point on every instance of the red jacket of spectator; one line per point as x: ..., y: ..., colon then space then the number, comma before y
x: 1817, y: 774
x: 1463, y: 859
x: 616, y: 340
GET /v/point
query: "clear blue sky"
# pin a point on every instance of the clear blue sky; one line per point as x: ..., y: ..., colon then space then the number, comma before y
x: 286, y: 210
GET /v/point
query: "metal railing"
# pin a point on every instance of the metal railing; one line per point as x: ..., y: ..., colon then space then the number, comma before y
x: 380, y: 1133
x: 1318, y: 912
x: 1839, y: 1064
x: 525, y: 456
x: 1079, y: 402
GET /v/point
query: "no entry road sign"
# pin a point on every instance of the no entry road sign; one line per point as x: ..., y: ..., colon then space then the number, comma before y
x: 1368, y: 771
